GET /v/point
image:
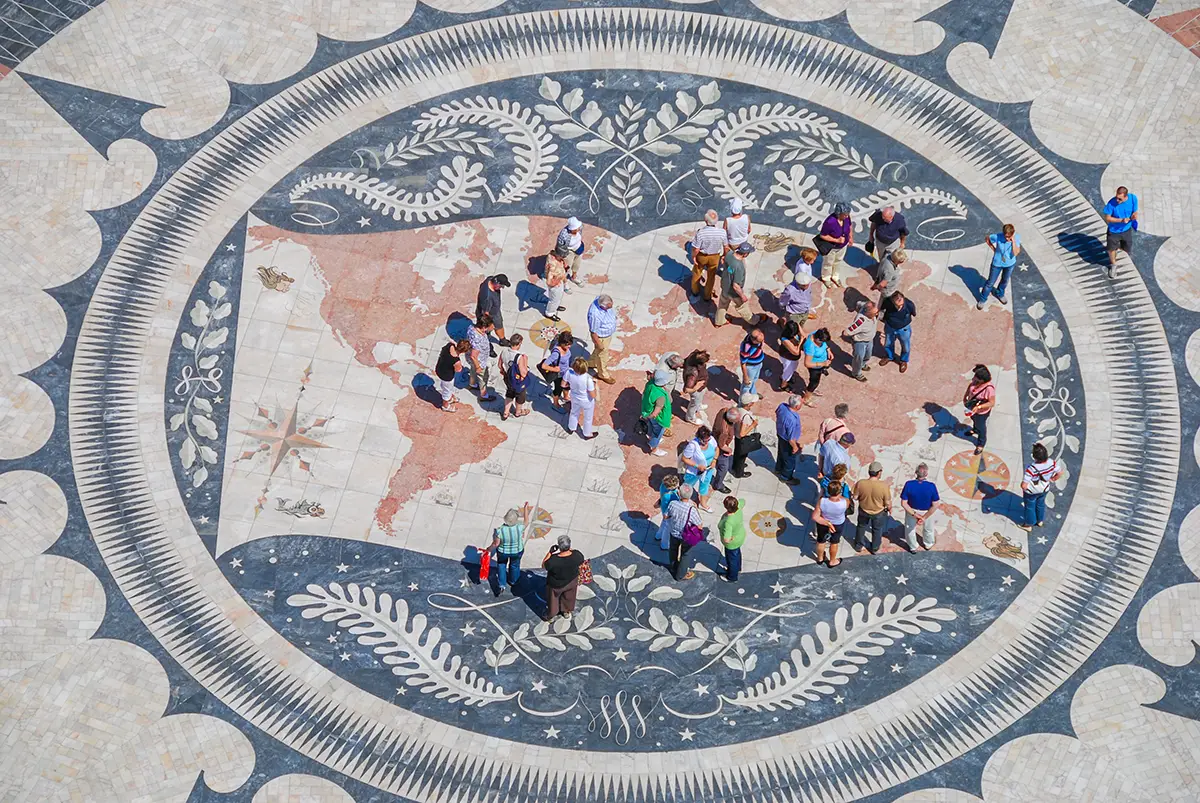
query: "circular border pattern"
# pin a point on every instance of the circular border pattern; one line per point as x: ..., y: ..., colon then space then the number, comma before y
x: 135, y: 515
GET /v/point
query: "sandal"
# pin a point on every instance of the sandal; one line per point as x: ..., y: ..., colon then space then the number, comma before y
x: 833, y: 565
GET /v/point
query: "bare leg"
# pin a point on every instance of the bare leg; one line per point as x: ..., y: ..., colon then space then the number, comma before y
x: 833, y: 558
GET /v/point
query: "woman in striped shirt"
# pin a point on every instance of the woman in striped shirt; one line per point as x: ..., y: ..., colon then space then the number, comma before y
x: 750, y: 357
x: 1036, y: 484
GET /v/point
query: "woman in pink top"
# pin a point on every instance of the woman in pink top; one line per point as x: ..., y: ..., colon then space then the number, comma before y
x: 979, y: 399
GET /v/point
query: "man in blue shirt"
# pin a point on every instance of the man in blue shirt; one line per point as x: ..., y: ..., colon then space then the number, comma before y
x: 602, y: 325
x: 787, y: 428
x: 1006, y: 247
x: 1121, y: 215
x: 835, y: 453
x: 919, y: 499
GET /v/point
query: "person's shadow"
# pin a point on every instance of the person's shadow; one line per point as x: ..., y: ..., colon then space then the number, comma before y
x: 457, y: 325
x: 423, y: 386
x: 673, y: 271
x: 943, y: 423
x: 971, y: 278
x: 1001, y: 502
x: 1089, y: 249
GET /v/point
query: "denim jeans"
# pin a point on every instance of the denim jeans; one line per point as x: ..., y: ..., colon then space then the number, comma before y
x: 979, y: 429
x: 733, y: 563
x: 862, y: 353
x: 1035, y: 508
x: 513, y: 564
x: 679, y: 558
x: 876, y: 523
x: 891, y: 335
x: 752, y: 371
x: 655, y: 430
x: 724, y: 461
x: 997, y: 281
x: 786, y: 459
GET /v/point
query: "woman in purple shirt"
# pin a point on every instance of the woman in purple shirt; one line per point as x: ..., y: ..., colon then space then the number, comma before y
x: 837, y: 235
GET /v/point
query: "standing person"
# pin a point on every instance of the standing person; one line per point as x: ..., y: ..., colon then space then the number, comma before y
x: 979, y: 400
x: 832, y: 428
x: 668, y: 492
x: 602, y: 325
x: 515, y: 367
x: 791, y: 352
x: 446, y: 369
x: 750, y: 357
x: 583, y: 394
x: 733, y: 287
x: 732, y: 530
x: 509, y: 544
x: 725, y: 432
x: 1121, y: 215
x: 861, y: 332
x: 1035, y: 484
x: 680, y: 513
x: 898, y: 314
x: 787, y: 431
x: 808, y: 258
x: 554, y: 366
x: 737, y: 225
x: 889, y: 232
x: 829, y: 519
x: 656, y: 413
x: 699, y: 465
x: 919, y: 498
x: 707, y: 247
x: 888, y: 274
x: 666, y: 371
x: 747, y: 439
x: 562, y: 578
x: 556, y: 282
x: 1006, y: 247
x: 818, y: 356
x: 479, y: 362
x: 836, y: 452
x: 874, y: 498
x: 488, y: 302
x: 796, y: 299
x: 695, y: 382
x: 570, y: 244
x: 836, y: 237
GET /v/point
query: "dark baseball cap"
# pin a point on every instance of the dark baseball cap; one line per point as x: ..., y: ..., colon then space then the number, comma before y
x: 502, y: 280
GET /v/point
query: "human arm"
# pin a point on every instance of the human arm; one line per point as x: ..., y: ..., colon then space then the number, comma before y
x: 526, y: 511
x: 818, y: 518
x: 659, y: 403
x: 739, y: 292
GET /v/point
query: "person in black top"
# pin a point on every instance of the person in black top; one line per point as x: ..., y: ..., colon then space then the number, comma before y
x: 489, y: 302
x: 889, y: 232
x: 898, y: 314
x: 447, y: 366
x: 562, y: 578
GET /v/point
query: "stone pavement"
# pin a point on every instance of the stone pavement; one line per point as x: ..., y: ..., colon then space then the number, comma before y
x: 242, y: 540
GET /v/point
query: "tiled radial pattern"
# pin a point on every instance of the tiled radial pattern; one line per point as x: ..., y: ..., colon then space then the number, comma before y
x: 243, y: 540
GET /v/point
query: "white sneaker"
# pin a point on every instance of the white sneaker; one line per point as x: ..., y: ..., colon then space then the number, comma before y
x: 659, y: 453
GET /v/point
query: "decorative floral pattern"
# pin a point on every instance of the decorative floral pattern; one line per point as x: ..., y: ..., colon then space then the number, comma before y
x: 1049, y: 398
x: 199, y: 381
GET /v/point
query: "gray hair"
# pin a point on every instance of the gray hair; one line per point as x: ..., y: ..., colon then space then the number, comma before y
x: 711, y: 217
x: 887, y: 209
x: 795, y: 402
x: 747, y: 399
x: 564, y: 542
x: 841, y: 410
x: 512, y: 516
x: 685, y: 492
x: 922, y: 471
x: 675, y: 361
x: 604, y: 300
x: 899, y: 256
x: 731, y: 415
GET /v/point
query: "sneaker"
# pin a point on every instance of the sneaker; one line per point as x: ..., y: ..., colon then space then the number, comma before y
x: 659, y: 453
x: 1002, y: 300
x: 566, y: 615
x: 866, y: 367
x: 1112, y: 271
x: 980, y: 305
x: 861, y: 378
x: 1025, y: 527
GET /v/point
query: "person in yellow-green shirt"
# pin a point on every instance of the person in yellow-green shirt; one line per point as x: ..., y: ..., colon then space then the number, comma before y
x: 656, y: 414
x: 732, y: 530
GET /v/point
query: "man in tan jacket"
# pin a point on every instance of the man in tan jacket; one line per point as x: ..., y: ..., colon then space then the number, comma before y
x: 874, y: 499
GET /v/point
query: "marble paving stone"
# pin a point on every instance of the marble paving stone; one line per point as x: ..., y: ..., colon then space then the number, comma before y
x: 243, y: 540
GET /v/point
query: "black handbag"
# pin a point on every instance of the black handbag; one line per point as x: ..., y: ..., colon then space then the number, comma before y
x: 750, y: 443
x: 823, y: 246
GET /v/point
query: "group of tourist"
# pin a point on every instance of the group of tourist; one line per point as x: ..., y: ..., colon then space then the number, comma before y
x: 719, y: 448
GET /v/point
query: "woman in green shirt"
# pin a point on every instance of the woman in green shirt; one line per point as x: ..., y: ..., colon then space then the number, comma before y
x: 656, y: 412
x: 732, y: 529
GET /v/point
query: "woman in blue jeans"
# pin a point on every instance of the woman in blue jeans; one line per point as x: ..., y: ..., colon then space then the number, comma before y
x: 898, y: 313
x: 1036, y: 484
x: 509, y: 543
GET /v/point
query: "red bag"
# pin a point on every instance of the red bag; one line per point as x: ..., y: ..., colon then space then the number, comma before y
x: 485, y: 563
x: 585, y: 572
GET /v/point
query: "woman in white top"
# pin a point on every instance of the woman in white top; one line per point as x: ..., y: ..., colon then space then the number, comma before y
x: 582, y: 393
x: 737, y: 225
x: 829, y: 516
x: 1035, y: 484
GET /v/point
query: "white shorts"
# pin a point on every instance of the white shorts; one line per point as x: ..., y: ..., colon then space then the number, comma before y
x: 446, y: 388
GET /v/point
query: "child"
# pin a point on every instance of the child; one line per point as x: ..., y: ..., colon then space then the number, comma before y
x: 733, y: 534
x: 668, y: 492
